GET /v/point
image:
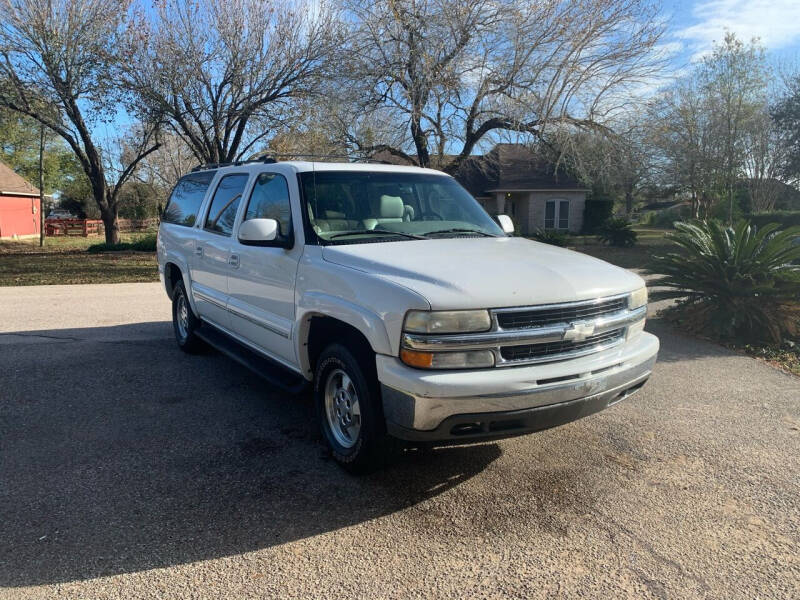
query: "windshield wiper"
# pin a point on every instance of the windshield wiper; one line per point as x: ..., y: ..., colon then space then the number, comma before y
x: 460, y: 230
x: 377, y: 231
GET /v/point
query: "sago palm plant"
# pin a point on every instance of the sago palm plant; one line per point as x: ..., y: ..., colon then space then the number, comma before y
x: 734, y: 282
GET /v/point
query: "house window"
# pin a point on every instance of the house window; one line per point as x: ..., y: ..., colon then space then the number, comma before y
x: 556, y: 214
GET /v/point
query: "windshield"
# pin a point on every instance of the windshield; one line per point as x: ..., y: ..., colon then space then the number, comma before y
x: 359, y: 206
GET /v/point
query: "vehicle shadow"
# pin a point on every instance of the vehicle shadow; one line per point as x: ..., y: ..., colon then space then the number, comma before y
x: 118, y: 453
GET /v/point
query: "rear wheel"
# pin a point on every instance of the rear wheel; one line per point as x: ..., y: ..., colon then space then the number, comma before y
x: 184, y: 321
x: 349, y: 409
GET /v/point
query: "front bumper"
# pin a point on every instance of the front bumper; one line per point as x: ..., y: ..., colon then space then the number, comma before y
x: 467, y: 405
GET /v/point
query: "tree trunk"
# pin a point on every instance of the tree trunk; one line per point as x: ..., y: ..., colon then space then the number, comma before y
x: 628, y: 202
x: 420, y: 143
x: 110, y: 218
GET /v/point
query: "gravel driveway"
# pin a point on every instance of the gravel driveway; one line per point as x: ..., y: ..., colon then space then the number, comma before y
x: 129, y: 470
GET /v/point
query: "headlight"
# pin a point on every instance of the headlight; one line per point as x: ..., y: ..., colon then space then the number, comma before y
x: 447, y: 321
x: 638, y: 298
x: 477, y: 359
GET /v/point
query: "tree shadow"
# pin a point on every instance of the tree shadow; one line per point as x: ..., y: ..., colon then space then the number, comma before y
x: 119, y: 453
x: 679, y: 346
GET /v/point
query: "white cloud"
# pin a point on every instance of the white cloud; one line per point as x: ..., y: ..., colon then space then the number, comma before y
x: 775, y: 22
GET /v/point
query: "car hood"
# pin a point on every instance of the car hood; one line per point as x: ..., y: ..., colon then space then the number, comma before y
x: 456, y: 273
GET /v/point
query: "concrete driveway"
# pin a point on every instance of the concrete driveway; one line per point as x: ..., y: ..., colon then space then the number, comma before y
x: 129, y: 470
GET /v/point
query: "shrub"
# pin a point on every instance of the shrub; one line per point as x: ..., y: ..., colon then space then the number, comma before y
x: 734, y: 282
x: 597, y: 210
x: 146, y: 243
x: 617, y: 232
x: 104, y: 247
x: 553, y: 237
x: 665, y: 219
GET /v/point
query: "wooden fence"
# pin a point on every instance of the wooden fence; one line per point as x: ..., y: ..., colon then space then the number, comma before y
x: 87, y: 227
x: 83, y: 227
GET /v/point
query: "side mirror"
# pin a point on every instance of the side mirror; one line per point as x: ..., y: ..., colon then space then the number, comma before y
x: 258, y: 231
x: 506, y: 223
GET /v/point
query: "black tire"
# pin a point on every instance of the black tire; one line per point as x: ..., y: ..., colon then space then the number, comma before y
x: 371, y: 445
x: 185, y: 329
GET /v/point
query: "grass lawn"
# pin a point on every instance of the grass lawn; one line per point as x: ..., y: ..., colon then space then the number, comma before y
x: 650, y: 242
x: 64, y: 260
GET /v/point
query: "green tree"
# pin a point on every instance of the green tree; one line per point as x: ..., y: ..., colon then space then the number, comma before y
x: 60, y: 66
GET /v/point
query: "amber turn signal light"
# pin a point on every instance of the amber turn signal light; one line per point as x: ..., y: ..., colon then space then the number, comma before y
x: 422, y: 360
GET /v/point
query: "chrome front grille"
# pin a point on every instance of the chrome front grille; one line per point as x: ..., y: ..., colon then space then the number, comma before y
x: 540, y: 334
x: 565, y: 313
x: 562, y: 350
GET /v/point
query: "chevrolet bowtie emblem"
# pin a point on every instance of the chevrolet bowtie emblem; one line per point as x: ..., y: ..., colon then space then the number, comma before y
x: 578, y: 331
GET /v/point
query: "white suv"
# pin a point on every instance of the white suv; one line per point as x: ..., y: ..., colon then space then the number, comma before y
x: 412, y: 312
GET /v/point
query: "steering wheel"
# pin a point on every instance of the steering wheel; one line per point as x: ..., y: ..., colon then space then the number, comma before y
x: 432, y: 214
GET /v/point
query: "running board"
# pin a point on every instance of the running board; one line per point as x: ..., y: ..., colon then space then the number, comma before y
x: 270, y: 370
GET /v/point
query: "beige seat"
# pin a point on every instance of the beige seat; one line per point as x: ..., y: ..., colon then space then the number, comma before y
x: 391, y: 210
x: 332, y: 220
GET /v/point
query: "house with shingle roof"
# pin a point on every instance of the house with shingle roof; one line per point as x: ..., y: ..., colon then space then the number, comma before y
x: 511, y: 179
x: 19, y: 206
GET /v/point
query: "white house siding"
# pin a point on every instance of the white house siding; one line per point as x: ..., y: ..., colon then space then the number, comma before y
x: 528, y: 212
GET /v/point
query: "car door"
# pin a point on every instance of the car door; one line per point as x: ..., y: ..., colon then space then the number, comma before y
x: 212, y: 252
x: 261, y: 287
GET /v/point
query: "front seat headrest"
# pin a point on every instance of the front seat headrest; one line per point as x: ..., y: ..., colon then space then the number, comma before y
x: 391, y: 207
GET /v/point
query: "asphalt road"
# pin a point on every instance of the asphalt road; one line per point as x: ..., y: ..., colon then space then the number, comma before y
x: 129, y: 470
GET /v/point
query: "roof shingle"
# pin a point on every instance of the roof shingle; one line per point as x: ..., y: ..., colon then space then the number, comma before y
x: 12, y: 183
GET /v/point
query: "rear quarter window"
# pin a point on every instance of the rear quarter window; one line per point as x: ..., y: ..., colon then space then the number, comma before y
x: 185, y: 200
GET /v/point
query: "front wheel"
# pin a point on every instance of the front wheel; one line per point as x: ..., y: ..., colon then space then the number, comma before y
x: 349, y: 409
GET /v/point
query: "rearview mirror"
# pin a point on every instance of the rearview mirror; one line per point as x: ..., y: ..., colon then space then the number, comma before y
x: 506, y: 223
x: 258, y: 231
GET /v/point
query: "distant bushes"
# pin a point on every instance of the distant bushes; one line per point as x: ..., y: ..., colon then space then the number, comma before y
x: 662, y: 219
x: 785, y: 218
x: 146, y: 243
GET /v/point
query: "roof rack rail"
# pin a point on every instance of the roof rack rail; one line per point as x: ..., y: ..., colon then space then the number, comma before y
x: 345, y: 156
x: 273, y: 158
x: 237, y: 163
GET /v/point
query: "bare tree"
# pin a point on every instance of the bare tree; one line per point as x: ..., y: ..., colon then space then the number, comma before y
x: 681, y: 128
x: 619, y: 160
x: 165, y: 166
x: 765, y: 149
x: 705, y: 122
x: 225, y: 72
x: 456, y: 71
x: 57, y: 66
x: 734, y: 78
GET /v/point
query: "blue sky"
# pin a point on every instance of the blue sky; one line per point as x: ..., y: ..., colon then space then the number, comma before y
x: 694, y: 26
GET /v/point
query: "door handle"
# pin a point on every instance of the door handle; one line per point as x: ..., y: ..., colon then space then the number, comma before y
x: 198, y: 251
x: 233, y: 261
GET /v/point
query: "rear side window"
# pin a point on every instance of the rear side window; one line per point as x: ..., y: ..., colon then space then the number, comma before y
x: 186, y: 198
x: 270, y: 200
x: 225, y: 203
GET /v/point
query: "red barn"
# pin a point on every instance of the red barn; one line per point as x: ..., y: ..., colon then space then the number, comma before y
x: 19, y: 206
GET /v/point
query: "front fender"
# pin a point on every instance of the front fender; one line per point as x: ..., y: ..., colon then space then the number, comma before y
x: 320, y: 304
x: 367, y: 302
